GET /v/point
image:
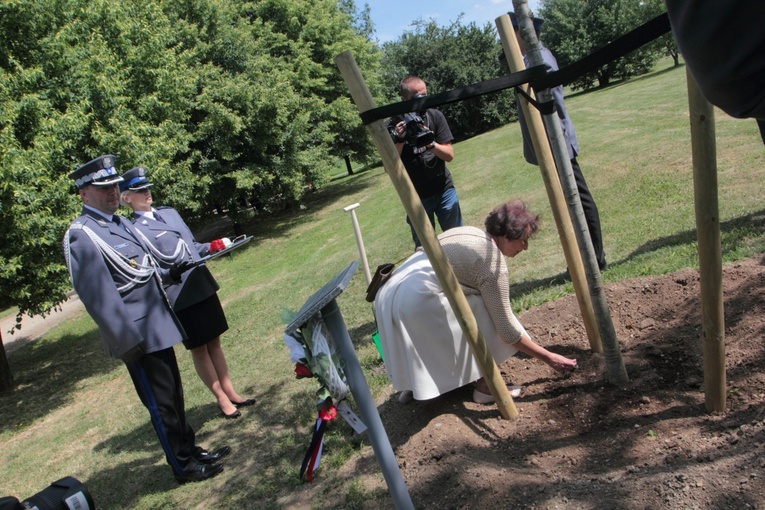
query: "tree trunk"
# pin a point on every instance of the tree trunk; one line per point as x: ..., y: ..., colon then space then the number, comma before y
x: 348, y: 165
x: 550, y: 147
x: 6, y: 378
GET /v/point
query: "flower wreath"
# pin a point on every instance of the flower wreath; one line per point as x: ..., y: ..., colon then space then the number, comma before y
x: 315, y: 356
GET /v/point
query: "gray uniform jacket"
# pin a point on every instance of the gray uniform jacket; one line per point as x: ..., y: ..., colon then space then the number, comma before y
x: 136, y: 316
x: 565, y: 121
x: 197, y: 284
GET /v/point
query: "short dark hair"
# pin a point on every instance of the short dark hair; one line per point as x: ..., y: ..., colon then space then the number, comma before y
x: 406, y: 84
x: 512, y: 220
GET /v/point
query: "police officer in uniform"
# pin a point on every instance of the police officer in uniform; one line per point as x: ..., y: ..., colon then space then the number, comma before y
x: 195, y: 300
x: 121, y: 287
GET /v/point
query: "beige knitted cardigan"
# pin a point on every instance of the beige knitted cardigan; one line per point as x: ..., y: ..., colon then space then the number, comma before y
x: 481, y: 269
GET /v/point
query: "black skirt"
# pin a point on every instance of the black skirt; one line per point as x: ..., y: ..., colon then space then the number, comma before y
x: 203, y: 321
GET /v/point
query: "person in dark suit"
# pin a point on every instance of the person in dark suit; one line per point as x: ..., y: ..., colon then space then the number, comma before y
x: 723, y: 49
x: 120, y: 285
x: 195, y: 299
x: 590, y: 209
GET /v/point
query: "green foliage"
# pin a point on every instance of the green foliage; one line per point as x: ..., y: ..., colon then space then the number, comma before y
x: 31, y: 235
x: 361, y: 21
x: 665, y: 45
x: 447, y: 58
x: 574, y: 29
x: 223, y: 101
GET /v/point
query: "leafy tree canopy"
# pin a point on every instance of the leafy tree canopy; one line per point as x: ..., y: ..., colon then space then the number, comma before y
x: 574, y: 29
x: 217, y: 98
x: 447, y: 58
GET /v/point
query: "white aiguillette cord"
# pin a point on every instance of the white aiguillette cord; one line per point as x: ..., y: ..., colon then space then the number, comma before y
x: 181, y: 249
x: 137, y: 274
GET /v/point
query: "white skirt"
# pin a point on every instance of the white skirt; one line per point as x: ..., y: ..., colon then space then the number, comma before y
x: 423, y: 346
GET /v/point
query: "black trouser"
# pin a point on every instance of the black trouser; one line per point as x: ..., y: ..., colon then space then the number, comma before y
x: 158, y: 383
x: 590, y: 214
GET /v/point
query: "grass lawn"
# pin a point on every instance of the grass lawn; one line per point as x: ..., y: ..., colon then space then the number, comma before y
x: 75, y: 413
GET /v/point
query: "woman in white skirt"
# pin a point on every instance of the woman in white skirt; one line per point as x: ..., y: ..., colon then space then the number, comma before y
x: 423, y: 345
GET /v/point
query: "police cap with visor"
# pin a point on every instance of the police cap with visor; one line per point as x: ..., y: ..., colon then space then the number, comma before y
x: 98, y: 172
x: 135, y: 180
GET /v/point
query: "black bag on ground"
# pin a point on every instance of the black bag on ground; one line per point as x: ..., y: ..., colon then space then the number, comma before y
x: 381, y: 276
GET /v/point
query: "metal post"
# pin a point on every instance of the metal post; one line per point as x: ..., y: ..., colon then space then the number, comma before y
x: 366, y: 404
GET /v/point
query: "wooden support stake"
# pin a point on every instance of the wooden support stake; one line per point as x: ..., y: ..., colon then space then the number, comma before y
x: 359, y: 241
x: 414, y: 209
x: 704, y: 152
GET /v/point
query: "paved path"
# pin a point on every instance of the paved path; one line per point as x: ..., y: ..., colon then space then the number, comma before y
x: 33, y: 328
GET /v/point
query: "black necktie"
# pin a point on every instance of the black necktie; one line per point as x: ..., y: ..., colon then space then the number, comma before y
x: 158, y: 217
x: 116, y: 219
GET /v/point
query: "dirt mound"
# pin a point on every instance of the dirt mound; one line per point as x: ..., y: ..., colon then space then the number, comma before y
x: 583, y: 443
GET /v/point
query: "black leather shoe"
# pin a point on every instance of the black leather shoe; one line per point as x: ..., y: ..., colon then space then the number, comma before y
x: 232, y: 416
x: 205, y: 457
x: 248, y: 402
x: 199, y: 473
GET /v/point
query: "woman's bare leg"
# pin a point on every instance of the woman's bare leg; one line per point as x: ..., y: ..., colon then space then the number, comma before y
x: 205, y: 367
x: 221, y: 368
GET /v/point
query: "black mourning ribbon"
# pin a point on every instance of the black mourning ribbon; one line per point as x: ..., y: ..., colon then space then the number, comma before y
x: 536, y: 76
x: 546, y: 108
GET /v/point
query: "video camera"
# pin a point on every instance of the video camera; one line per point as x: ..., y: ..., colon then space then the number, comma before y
x: 65, y: 494
x: 416, y: 133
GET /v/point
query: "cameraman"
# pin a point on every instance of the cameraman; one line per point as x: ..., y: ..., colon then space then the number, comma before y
x: 426, y: 165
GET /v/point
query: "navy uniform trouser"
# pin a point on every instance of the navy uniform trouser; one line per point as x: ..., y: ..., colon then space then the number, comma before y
x: 157, y: 381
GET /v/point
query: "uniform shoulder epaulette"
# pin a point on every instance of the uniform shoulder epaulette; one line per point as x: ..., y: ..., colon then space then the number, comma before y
x: 76, y: 226
x: 163, y: 207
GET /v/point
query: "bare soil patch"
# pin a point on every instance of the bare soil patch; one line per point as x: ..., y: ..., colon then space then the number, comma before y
x: 583, y: 443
